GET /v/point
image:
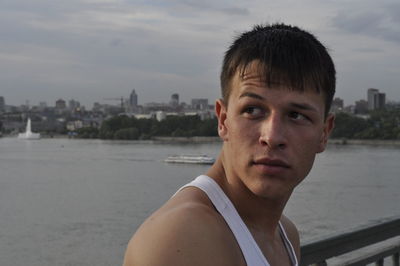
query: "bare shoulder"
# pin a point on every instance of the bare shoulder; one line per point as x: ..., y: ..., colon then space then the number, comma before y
x: 292, y: 234
x: 187, y: 230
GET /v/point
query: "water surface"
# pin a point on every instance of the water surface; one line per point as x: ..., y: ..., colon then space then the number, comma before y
x: 77, y: 202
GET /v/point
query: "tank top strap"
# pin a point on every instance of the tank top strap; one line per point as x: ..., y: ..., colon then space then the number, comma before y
x: 250, y: 250
x: 288, y: 245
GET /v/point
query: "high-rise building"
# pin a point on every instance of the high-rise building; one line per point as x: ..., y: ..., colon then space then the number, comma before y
x: 133, y: 101
x: 371, y: 98
x: 174, y: 100
x: 381, y: 100
x: 376, y: 100
x: 2, y: 104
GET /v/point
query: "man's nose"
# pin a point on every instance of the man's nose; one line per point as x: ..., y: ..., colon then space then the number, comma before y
x: 273, y: 132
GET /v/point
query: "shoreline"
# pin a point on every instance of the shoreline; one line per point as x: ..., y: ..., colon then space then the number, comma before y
x: 207, y: 139
x: 364, y: 142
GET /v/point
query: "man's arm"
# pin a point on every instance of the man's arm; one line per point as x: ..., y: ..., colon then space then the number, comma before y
x: 190, y: 234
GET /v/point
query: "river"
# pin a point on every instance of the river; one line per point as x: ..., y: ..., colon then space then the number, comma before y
x: 78, y: 202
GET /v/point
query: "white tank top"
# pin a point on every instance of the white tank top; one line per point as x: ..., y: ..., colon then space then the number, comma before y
x: 251, y: 251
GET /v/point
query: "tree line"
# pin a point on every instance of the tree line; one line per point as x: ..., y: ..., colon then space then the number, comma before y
x: 381, y: 124
x: 131, y: 128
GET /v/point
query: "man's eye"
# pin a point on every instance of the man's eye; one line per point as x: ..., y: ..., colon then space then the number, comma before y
x: 298, y: 116
x: 253, y: 111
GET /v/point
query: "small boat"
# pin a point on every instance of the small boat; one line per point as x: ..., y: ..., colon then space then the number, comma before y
x: 195, y: 159
x: 28, y: 133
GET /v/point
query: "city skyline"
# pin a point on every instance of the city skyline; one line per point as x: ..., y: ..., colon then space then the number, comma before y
x: 93, y: 49
x: 127, y: 99
x: 132, y: 101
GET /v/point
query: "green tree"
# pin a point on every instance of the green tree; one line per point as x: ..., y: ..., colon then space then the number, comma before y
x: 131, y: 133
x: 382, y: 124
x: 347, y: 126
x: 88, y: 132
x: 208, y: 127
x: 121, y: 127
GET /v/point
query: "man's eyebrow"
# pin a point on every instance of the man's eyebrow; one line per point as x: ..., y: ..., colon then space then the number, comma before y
x: 252, y: 95
x: 304, y: 106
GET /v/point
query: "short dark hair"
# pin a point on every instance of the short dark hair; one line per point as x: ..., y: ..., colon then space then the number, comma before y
x: 289, y: 56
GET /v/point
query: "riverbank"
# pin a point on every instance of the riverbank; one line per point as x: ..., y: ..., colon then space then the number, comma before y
x: 200, y: 139
x: 195, y: 139
x: 203, y: 139
x: 155, y: 140
x: 364, y: 142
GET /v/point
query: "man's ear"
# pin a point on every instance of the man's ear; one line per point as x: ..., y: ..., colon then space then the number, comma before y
x: 220, y: 111
x: 328, y: 127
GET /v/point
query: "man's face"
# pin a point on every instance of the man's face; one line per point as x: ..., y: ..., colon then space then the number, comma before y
x: 271, y: 135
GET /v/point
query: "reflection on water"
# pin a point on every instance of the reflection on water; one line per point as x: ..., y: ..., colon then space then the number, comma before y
x: 77, y: 202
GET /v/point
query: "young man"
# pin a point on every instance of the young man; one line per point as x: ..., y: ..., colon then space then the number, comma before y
x: 277, y: 83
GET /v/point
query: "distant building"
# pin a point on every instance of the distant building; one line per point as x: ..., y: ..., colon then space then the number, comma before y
x: 133, y: 101
x: 381, y: 100
x: 24, y: 107
x: 376, y: 100
x: 361, y: 107
x: 145, y: 116
x: 392, y: 104
x: 72, y: 104
x: 337, y: 105
x: 154, y: 107
x: 74, y: 125
x: 2, y: 104
x: 60, y: 104
x: 174, y: 100
x: 371, y: 98
x: 200, y: 104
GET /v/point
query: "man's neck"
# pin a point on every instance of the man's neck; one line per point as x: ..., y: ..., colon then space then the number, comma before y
x: 258, y: 213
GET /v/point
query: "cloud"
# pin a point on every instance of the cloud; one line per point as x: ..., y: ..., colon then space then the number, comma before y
x: 382, y: 21
x: 235, y: 11
x: 208, y: 7
x: 166, y: 45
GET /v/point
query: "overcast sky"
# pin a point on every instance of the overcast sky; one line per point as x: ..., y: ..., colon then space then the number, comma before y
x: 95, y: 49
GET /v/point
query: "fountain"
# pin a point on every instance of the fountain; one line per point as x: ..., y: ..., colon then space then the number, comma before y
x: 28, y: 133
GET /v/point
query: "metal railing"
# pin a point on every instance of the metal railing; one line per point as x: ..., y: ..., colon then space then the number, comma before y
x: 318, y: 252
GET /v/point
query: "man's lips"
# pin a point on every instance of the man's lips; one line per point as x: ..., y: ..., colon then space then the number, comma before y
x: 271, y: 167
x: 271, y: 162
